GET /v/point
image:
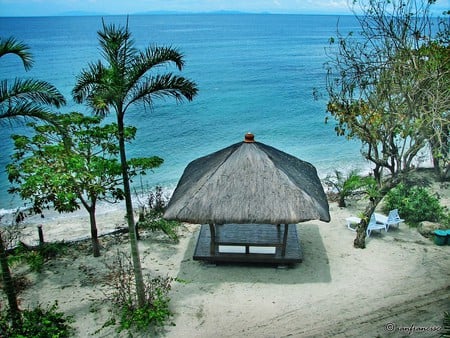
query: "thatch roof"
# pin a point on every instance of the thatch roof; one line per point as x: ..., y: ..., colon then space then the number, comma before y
x: 248, y: 182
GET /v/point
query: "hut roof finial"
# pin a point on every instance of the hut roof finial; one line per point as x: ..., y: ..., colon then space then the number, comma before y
x: 249, y: 138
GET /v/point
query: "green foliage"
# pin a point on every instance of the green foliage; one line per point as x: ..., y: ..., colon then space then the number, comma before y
x: 151, y: 215
x: 415, y: 204
x: 350, y: 185
x: 130, y: 316
x: 36, y: 258
x: 75, y: 163
x: 155, y: 312
x: 167, y: 227
x: 28, y: 97
x: 37, y: 323
x: 389, y: 86
x: 126, y: 77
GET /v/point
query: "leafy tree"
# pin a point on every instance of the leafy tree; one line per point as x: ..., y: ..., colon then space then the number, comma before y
x: 24, y: 98
x: 123, y: 81
x: 433, y: 76
x: 376, y: 86
x: 47, y: 173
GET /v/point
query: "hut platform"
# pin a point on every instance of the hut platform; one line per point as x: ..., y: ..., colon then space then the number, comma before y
x: 248, y: 243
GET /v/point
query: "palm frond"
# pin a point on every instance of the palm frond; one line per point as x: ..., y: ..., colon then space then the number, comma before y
x: 100, y: 102
x: 117, y: 45
x: 26, y: 110
x: 162, y: 86
x: 38, y: 91
x: 88, y: 81
x: 12, y: 46
x: 153, y: 57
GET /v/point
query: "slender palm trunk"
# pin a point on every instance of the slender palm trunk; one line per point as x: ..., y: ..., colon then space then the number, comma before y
x: 9, y: 285
x: 139, y: 280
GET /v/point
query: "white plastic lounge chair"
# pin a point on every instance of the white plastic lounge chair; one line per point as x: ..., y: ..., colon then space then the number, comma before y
x: 352, y: 222
x: 374, y: 225
x: 392, y: 219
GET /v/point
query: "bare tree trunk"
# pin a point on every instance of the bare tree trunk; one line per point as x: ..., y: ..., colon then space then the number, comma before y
x: 341, y: 203
x: 94, y: 232
x: 9, y: 286
x: 360, y: 240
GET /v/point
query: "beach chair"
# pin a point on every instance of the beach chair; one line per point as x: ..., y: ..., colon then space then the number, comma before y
x: 392, y: 219
x: 374, y: 225
x: 352, y: 222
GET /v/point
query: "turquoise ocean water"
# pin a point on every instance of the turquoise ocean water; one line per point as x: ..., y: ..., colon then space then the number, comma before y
x: 254, y: 72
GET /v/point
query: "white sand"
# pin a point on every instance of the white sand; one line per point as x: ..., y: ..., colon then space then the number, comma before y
x: 400, y: 278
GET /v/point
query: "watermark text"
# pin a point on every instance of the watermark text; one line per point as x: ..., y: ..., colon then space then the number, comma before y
x: 411, y: 329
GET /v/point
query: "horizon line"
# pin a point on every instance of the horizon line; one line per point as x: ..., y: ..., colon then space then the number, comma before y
x: 174, y: 12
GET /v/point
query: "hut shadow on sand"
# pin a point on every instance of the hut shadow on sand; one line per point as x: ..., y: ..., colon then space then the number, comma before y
x: 314, y: 268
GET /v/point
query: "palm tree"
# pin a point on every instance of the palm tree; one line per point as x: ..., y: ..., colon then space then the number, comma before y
x: 124, y: 81
x: 30, y: 97
x: 24, y: 98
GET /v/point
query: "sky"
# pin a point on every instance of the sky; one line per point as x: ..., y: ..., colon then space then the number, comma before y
x: 113, y: 7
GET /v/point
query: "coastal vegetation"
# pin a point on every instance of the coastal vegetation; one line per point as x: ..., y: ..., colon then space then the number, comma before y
x: 124, y: 80
x: 33, y: 99
x: 347, y: 185
x: 72, y: 160
x: 151, y: 215
x: 390, y: 92
x: 38, y: 323
x: 155, y: 313
x: 389, y: 88
x: 76, y: 168
x: 416, y: 204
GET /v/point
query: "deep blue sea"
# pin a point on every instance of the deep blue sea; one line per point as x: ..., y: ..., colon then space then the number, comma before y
x: 254, y: 72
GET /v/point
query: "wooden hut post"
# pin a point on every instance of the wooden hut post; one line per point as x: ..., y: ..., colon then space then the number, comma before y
x: 212, y: 248
x: 285, y: 236
x: 41, y: 235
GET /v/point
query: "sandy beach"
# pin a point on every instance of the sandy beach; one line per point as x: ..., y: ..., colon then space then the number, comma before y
x: 398, y: 286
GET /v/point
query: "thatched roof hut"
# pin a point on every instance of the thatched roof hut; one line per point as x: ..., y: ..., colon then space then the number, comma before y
x: 248, y: 182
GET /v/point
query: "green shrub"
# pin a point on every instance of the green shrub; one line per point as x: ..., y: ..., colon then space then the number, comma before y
x: 37, y: 323
x: 415, y: 204
x: 35, y: 258
x: 151, y: 215
x: 352, y: 184
x: 160, y: 224
x: 156, y: 311
x: 130, y: 316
